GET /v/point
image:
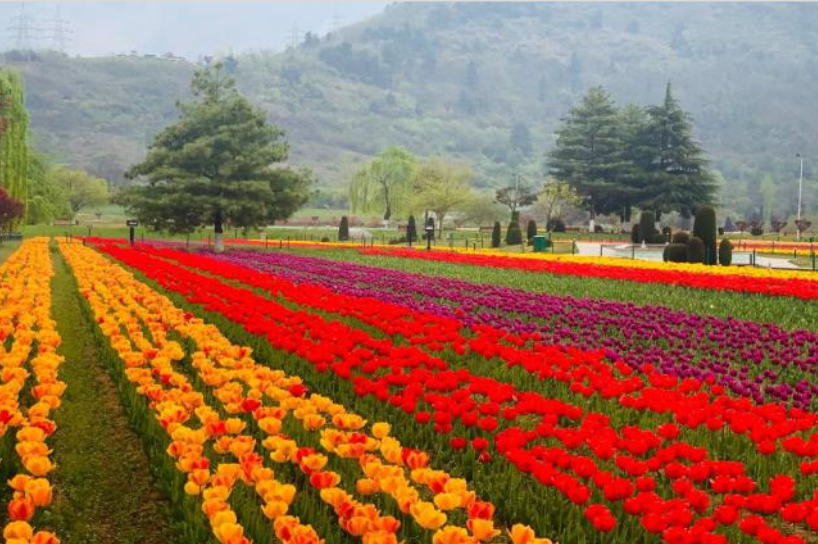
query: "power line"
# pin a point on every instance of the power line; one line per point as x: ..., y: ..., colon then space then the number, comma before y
x: 22, y: 30
x: 61, y: 33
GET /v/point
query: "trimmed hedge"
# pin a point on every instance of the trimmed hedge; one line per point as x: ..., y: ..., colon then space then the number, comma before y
x: 725, y: 252
x: 695, y: 250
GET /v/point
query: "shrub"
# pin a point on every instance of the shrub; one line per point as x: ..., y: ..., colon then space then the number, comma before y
x: 430, y: 234
x: 676, y: 253
x: 396, y: 241
x: 531, y: 231
x: 635, y: 234
x: 704, y: 227
x: 695, y: 250
x: 515, y: 217
x: 598, y: 229
x: 680, y: 237
x: 556, y: 225
x: 757, y: 231
x: 667, y: 232
x: 496, y: 232
x: 411, y: 230
x: 647, y: 227
x: 514, y: 236
x: 659, y: 238
x: 725, y: 252
x: 343, y: 229
x: 325, y: 238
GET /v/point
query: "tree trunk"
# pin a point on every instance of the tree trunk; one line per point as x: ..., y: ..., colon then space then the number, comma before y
x: 218, y: 228
x: 441, y: 226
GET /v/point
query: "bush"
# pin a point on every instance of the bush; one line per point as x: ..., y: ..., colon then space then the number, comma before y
x: 635, y: 234
x: 343, y: 229
x: 496, y: 232
x: 514, y: 236
x: 647, y: 227
x: 695, y: 250
x: 531, y: 231
x: 598, y: 229
x: 515, y: 217
x: 556, y: 225
x: 704, y: 227
x: 396, y: 241
x: 680, y: 237
x: 659, y: 238
x: 325, y: 238
x: 667, y: 232
x: 757, y: 231
x: 676, y: 253
x: 411, y: 230
x: 725, y: 252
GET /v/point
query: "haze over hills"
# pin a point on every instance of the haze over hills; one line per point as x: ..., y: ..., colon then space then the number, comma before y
x: 485, y: 83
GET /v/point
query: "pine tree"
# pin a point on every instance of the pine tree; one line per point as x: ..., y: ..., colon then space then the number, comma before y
x: 343, y: 229
x: 215, y: 166
x: 588, y: 154
x: 411, y: 230
x: 672, y: 162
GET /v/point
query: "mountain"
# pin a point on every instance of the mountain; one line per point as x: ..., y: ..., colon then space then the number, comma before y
x: 483, y: 82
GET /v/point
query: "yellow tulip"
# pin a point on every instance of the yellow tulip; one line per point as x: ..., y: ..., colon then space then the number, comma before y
x: 39, y: 491
x: 451, y: 535
x: 482, y: 529
x: 427, y: 515
x: 226, y: 532
x: 223, y: 516
x: 18, y: 529
x: 192, y: 489
x: 447, y: 501
x: 381, y: 430
x: 275, y: 509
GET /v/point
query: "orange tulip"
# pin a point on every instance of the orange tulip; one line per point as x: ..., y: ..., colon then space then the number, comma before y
x: 21, y: 509
x: 18, y: 529
x: 38, y: 465
x: 192, y: 489
x: 521, y: 534
x: 39, y: 490
x: 451, y: 535
x: 381, y: 430
x: 18, y: 483
x: 447, y: 501
x: 322, y: 480
x: 228, y: 532
x: 275, y: 509
x: 379, y: 537
x: 357, y: 525
x: 366, y: 486
x: 482, y: 529
x: 270, y: 425
x: 44, y: 537
x: 427, y: 515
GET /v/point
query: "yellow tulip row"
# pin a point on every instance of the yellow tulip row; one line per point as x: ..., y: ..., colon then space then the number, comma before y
x: 25, y: 317
x: 588, y: 259
x: 267, y: 398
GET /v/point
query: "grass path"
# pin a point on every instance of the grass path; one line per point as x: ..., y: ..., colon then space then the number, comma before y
x: 104, y: 488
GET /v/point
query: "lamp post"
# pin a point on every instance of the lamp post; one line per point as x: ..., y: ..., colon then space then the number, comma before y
x: 800, y: 186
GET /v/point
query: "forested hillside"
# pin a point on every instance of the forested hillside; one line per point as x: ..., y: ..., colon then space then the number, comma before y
x: 486, y: 83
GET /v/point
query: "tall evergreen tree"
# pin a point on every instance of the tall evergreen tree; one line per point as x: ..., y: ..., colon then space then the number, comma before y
x: 215, y: 166
x: 672, y: 163
x: 588, y: 154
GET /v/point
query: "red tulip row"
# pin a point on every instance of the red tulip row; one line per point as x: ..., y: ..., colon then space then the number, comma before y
x: 699, y: 279
x: 690, y: 402
x: 416, y: 382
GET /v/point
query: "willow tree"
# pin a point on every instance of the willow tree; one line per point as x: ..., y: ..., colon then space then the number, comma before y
x: 384, y: 183
x: 442, y: 187
x: 216, y: 166
x: 14, y: 151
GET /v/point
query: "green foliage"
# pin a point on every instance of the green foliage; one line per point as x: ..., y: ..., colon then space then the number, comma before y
x: 676, y: 253
x: 553, y: 200
x: 14, y: 149
x: 635, y: 234
x: 704, y: 227
x: 79, y: 188
x: 647, y: 227
x: 725, y: 252
x: 695, y: 250
x: 531, y: 230
x: 384, y: 183
x: 343, y: 229
x: 588, y: 154
x: 680, y: 237
x: 514, y: 236
x: 482, y: 210
x: 215, y: 165
x: 515, y: 196
x: 441, y: 186
x: 11, y: 210
x: 496, y: 234
x: 411, y: 230
x: 47, y: 200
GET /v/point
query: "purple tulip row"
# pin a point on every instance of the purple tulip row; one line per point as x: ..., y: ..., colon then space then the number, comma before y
x: 761, y: 361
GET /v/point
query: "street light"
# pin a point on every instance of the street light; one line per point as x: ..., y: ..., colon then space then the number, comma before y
x: 800, y: 186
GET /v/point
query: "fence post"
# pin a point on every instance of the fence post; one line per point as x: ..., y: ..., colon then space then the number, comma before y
x: 633, y: 251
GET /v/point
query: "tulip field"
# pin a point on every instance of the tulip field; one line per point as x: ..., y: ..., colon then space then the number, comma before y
x: 337, y: 394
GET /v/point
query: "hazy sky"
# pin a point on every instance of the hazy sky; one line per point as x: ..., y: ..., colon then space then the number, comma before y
x: 184, y: 28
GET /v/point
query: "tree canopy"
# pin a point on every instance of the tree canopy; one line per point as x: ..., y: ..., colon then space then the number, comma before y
x: 216, y: 165
x: 383, y: 183
x: 441, y: 186
x: 14, y: 149
x: 79, y: 188
x: 617, y: 159
x: 515, y: 196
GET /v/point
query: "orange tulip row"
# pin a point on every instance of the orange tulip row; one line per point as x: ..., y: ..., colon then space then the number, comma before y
x: 266, y: 398
x: 25, y: 295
